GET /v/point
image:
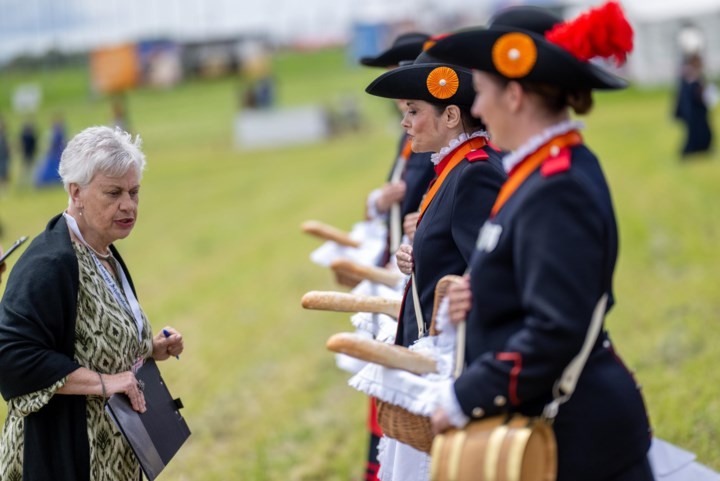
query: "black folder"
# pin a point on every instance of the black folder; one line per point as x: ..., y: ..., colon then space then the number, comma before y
x: 158, y: 433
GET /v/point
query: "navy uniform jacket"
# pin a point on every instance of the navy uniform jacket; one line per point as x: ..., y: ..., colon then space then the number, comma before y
x: 445, y: 237
x: 542, y: 264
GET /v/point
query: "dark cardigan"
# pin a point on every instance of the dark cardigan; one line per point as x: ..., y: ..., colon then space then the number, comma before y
x: 37, y: 348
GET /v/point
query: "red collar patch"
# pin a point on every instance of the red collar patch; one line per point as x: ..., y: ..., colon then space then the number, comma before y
x: 475, y: 155
x: 557, y: 164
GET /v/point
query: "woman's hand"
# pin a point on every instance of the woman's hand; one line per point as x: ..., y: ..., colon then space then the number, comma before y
x: 390, y: 193
x: 459, y: 300
x: 126, y: 383
x: 164, y: 347
x: 83, y: 381
x: 410, y: 224
x: 440, y: 421
x: 404, y: 257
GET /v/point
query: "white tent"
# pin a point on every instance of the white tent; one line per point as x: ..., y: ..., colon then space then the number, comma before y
x: 658, y: 24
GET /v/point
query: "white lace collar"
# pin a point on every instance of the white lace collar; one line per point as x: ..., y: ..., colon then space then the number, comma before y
x: 537, y: 141
x: 437, y: 157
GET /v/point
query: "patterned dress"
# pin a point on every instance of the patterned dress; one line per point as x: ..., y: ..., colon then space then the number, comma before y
x: 106, y: 341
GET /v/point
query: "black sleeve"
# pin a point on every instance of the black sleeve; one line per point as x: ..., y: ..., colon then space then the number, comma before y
x: 37, y: 318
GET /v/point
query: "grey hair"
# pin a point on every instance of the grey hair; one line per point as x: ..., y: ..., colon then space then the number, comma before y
x: 100, y: 149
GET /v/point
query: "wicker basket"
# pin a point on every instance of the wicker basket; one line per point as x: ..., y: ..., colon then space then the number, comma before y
x: 399, y: 423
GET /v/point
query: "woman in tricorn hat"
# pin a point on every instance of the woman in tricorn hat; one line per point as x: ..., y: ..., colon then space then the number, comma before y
x: 411, y: 171
x: 407, y: 181
x: 546, y: 255
x: 468, y: 177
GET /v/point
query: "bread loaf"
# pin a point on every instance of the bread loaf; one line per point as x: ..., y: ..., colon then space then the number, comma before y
x: 352, y: 270
x: 328, y: 232
x: 344, y: 302
x: 388, y: 355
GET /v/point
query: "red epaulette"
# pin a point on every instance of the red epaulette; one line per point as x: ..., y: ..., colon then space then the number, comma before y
x: 558, y: 163
x: 475, y: 155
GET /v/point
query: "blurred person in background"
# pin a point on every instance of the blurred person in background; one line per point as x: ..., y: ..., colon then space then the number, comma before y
x: 468, y: 176
x: 695, y: 97
x: 120, y: 117
x: 545, y: 258
x: 47, y: 171
x: 4, y: 156
x: 28, y: 147
x: 399, y: 196
x: 72, y: 332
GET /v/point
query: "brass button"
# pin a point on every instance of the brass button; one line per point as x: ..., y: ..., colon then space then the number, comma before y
x: 500, y: 401
x: 478, y: 412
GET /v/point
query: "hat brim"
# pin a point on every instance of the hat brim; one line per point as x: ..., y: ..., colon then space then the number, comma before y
x: 394, y: 55
x: 410, y: 82
x: 473, y: 48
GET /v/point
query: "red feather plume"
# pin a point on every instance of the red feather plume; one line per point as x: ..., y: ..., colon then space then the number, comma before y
x: 600, y: 32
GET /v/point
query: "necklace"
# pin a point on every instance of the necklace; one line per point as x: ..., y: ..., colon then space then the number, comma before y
x: 102, y: 257
x: 76, y: 231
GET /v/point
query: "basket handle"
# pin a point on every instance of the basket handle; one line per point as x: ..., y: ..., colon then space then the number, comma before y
x: 441, y: 290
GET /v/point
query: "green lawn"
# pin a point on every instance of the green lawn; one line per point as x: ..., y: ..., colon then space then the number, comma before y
x: 218, y: 254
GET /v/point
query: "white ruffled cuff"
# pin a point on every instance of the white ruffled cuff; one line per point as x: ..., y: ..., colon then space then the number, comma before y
x: 449, y: 402
x: 372, y: 211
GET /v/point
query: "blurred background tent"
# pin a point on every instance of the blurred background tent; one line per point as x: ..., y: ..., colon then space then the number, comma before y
x: 215, y: 26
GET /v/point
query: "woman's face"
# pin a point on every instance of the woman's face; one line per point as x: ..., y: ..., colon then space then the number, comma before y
x: 489, y: 106
x: 109, y: 207
x: 422, y: 124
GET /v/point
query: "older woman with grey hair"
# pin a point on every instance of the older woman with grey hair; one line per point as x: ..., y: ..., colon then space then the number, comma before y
x: 72, y: 331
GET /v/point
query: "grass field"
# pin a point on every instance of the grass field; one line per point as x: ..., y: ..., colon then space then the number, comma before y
x: 218, y: 254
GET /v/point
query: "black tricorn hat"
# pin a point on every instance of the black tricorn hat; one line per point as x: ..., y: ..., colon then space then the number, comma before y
x: 406, y: 47
x: 529, y: 43
x: 429, y: 79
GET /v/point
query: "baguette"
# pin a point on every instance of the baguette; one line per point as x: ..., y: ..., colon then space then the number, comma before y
x: 328, y: 232
x: 352, y: 270
x: 343, y: 302
x: 388, y: 355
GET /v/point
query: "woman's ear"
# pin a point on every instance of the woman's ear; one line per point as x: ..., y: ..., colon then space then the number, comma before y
x: 452, y: 116
x: 74, y: 191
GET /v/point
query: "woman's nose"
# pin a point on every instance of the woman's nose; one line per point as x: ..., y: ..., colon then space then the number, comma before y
x: 127, y: 202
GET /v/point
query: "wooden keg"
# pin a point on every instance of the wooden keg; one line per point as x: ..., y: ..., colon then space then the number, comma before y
x: 499, y: 448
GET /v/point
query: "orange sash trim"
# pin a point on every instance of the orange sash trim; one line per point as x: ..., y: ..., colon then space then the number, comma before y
x: 531, y: 163
x: 407, y: 149
x: 456, y: 156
